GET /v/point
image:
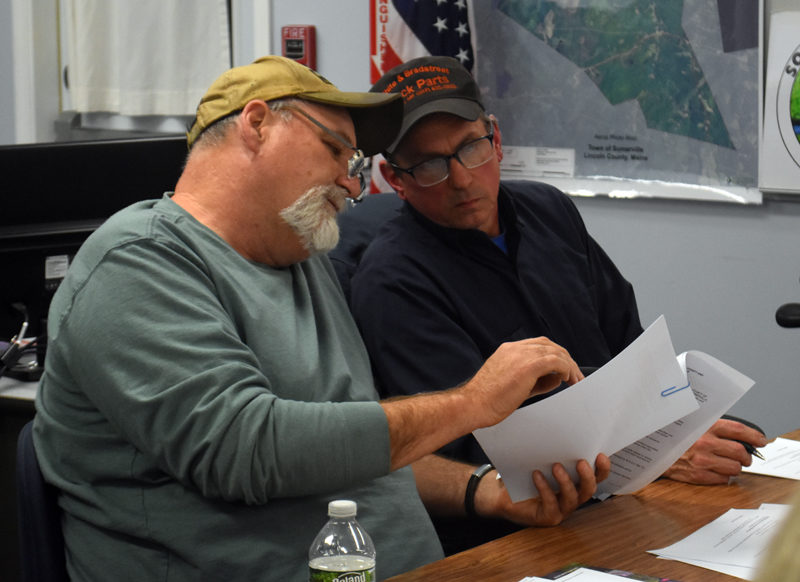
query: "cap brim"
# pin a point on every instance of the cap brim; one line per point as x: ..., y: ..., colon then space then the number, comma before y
x: 377, y: 117
x: 464, y: 108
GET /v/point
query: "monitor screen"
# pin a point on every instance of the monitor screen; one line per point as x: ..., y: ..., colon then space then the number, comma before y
x: 54, y: 195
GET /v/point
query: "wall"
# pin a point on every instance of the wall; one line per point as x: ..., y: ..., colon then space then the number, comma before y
x: 6, y: 72
x: 717, y: 272
x: 342, y: 37
x: 30, y: 69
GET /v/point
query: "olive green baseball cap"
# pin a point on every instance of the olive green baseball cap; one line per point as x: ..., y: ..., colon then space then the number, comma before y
x: 376, y: 116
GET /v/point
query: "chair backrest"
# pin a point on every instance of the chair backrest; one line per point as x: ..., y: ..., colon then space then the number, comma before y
x: 40, y: 537
x: 357, y: 227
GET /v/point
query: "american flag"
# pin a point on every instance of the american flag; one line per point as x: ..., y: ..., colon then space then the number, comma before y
x: 401, y: 30
x: 406, y: 29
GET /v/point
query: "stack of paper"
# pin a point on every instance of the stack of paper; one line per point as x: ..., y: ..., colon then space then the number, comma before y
x: 732, y: 544
x: 582, y: 574
x: 644, y: 408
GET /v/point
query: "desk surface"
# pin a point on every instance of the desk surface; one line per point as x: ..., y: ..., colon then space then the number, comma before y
x: 614, y: 534
x: 16, y: 389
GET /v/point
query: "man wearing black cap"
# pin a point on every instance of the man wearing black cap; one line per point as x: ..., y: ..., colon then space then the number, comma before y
x: 206, y: 393
x: 472, y: 262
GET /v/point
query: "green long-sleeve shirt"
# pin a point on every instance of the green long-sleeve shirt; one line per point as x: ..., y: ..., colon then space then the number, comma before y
x: 199, y: 410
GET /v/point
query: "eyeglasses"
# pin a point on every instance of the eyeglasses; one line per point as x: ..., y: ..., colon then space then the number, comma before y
x: 356, y: 163
x: 436, y: 170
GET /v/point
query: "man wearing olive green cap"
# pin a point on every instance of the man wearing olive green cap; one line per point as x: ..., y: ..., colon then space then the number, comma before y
x: 206, y: 392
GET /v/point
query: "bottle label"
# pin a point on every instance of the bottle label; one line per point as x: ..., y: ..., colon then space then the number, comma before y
x: 343, y: 568
x: 352, y: 576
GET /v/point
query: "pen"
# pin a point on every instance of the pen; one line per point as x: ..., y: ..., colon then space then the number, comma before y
x: 752, y: 450
x: 747, y: 446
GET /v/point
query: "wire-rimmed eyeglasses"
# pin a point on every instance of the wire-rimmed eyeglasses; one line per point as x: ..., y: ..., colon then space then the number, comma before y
x: 436, y: 170
x: 356, y: 163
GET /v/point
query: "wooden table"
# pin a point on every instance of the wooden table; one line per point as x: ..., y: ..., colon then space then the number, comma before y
x: 614, y: 534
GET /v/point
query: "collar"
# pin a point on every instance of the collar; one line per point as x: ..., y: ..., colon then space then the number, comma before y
x: 458, y: 237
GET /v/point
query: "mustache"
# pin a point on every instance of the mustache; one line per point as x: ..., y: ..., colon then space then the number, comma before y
x: 337, y: 196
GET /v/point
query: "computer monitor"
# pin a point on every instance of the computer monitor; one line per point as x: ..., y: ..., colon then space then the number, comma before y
x: 54, y: 195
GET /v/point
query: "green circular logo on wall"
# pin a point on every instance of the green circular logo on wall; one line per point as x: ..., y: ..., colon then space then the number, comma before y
x: 788, y: 106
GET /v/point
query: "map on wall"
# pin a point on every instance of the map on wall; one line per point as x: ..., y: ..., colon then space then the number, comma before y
x: 645, y: 92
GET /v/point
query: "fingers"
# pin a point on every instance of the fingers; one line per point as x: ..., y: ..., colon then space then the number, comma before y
x: 554, y: 507
x: 546, y: 383
x: 589, y: 478
x: 715, y: 452
x: 726, y: 446
x: 551, y: 364
x: 683, y: 470
x: 733, y: 430
x: 555, y: 503
x: 569, y: 497
x: 549, y: 509
x: 710, y: 461
x: 602, y: 467
x: 518, y: 370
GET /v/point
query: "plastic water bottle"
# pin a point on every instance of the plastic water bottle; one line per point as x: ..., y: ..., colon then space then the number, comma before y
x: 342, y: 550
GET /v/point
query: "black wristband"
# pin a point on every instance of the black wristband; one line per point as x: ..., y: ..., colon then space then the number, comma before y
x: 472, y: 485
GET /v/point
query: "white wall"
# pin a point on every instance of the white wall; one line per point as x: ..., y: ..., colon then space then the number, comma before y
x: 6, y: 72
x: 33, y: 74
x: 717, y: 272
x: 342, y: 37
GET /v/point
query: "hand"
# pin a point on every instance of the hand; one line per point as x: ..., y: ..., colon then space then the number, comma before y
x: 550, y: 508
x: 514, y: 372
x: 716, y: 456
x: 518, y: 370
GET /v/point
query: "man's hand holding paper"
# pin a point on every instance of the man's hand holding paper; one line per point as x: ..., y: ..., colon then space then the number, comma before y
x: 550, y: 506
x: 640, y: 405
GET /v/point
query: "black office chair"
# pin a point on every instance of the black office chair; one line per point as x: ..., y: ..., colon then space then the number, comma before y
x: 357, y: 227
x: 41, y: 541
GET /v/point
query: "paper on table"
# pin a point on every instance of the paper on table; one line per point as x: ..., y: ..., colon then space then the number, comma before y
x: 716, y: 387
x: 581, y: 575
x: 781, y: 459
x: 641, y: 390
x: 733, y: 543
x: 744, y: 572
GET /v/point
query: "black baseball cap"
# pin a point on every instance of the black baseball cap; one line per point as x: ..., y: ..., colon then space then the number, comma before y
x: 431, y: 85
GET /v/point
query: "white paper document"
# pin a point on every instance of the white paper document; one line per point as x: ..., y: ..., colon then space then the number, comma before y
x: 639, y: 404
x: 581, y: 575
x: 716, y: 387
x: 733, y: 543
x: 781, y: 459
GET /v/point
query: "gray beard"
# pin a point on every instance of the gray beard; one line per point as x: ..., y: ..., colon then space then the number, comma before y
x: 311, y: 219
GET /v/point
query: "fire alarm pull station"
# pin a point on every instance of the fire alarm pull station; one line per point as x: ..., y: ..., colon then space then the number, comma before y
x: 299, y: 42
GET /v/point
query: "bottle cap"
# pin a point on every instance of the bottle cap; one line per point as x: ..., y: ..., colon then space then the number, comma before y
x: 342, y: 508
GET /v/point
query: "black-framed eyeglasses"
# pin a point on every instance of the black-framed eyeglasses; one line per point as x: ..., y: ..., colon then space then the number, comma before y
x: 356, y: 163
x: 436, y: 170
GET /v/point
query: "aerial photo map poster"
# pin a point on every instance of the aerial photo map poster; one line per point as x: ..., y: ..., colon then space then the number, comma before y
x: 625, y: 97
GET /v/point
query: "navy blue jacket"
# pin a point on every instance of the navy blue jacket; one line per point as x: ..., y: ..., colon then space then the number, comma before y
x: 432, y: 303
